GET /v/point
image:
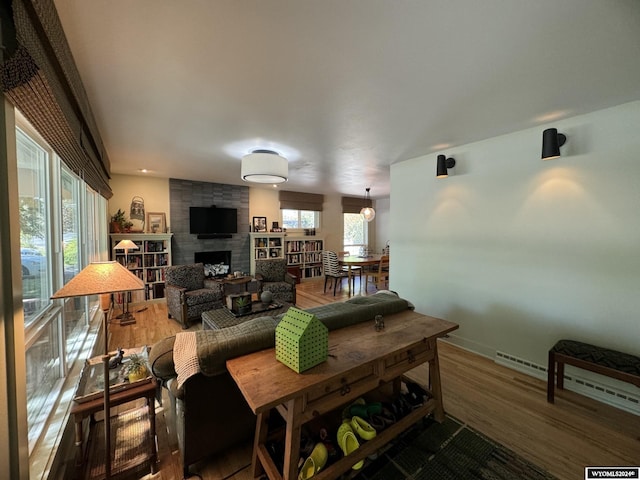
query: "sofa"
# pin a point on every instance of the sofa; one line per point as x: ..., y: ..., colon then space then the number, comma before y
x: 189, y: 293
x: 209, y: 410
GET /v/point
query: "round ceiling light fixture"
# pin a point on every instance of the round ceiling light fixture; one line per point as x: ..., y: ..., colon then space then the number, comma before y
x: 264, y: 166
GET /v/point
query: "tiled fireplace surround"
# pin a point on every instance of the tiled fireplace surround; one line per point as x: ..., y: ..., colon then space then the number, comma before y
x: 186, y: 193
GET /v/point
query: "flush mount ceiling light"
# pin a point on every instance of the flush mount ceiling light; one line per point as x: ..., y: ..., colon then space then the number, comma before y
x: 367, y: 211
x: 444, y: 164
x: 264, y: 166
x: 551, y: 143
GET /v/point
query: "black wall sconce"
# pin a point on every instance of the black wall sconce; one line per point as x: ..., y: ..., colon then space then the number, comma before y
x: 444, y: 163
x: 551, y: 143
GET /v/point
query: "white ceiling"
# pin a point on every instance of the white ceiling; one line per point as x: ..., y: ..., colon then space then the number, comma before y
x: 342, y: 88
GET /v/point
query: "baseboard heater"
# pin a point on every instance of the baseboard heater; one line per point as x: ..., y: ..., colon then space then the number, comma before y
x: 588, y: 387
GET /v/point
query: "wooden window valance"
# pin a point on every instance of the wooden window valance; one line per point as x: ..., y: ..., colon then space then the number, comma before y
x: 39, y: 76
x: 301, y: 201
x: 355, y: 204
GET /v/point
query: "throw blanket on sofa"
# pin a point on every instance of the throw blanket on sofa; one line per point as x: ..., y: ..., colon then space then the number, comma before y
x: 184, y: 356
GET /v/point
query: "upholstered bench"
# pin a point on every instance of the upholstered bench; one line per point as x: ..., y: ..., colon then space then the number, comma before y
x: 614, y: 364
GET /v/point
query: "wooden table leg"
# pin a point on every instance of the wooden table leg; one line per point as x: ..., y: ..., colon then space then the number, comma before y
x: 262, y: 424
x: 292, y: 439
x: 78, y: 430
x: 434, y: 380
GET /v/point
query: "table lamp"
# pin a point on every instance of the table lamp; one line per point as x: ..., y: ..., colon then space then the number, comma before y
x: 126, y: 318
x: 102, y: 278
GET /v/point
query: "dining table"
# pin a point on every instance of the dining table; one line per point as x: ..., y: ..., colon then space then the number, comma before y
x: 358, y: 261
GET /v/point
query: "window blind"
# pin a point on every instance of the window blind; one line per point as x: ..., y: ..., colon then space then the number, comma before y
x: 355, y: 204
x: 40, y: 78
x: 301, y: 201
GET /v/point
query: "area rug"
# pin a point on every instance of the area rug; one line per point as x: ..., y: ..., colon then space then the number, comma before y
x: 449, y: 451
x: 130, y: 446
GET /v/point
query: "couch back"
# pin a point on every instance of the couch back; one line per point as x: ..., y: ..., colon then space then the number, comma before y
x: 272, y: 270
x: 189, y: 276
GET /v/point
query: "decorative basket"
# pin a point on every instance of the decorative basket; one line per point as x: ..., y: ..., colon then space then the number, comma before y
x: 302, y: 341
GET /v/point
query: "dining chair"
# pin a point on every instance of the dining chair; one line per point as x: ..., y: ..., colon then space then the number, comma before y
x: 379, y: 276
x: 354, y: 268
x: 331, y: 269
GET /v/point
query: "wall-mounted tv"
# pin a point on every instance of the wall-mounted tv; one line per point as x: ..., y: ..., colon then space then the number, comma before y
x: 212, y: 221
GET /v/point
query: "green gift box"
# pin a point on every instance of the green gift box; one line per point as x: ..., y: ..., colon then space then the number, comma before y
x: 302, y: 341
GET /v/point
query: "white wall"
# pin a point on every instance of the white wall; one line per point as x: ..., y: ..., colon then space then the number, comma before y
x: 383, y: 222
x: 522, y: 252
x: 154, y: 191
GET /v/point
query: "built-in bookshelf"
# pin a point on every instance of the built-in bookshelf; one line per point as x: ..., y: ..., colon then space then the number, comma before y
x: 266, y: 245
x: 147, y: 262
x: 305, y: 253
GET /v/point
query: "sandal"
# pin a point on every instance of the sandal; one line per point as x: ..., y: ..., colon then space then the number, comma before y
x: 348, y: 442
x: 364, y: 430
x: 315, y: 462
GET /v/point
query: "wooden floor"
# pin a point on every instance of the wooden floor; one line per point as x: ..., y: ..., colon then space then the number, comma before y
x: 505, y: 405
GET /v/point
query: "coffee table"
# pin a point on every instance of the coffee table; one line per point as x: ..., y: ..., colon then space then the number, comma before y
x: 222, y: 317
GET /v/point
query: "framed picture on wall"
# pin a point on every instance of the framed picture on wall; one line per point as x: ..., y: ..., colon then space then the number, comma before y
x: 259, y: 224
x: 156, y: 222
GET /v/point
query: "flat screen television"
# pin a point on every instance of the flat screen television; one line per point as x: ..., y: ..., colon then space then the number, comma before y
x: 213, y: 221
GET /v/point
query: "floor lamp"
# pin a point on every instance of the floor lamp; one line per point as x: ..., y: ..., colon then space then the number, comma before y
x: 126, y: 318
x: 102, y: 278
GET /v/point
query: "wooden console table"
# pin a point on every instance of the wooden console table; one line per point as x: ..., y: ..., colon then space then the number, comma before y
x: 360, y: 360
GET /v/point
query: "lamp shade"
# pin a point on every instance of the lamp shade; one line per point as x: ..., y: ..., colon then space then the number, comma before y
x: 551, y: 143
x: 100, y: 277
x: 264, y: 166
x: 126, y: 245
x: 367, y: 211
x: 441, y: 168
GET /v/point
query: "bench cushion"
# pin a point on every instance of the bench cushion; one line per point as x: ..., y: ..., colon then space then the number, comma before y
x: 604, y: 357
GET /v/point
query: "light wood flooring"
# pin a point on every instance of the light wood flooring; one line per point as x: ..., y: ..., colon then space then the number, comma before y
x: 505, y: 405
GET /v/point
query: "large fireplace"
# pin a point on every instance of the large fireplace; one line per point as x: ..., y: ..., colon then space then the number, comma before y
x: 216, y: 264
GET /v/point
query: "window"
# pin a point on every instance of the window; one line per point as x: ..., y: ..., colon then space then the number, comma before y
x: 42, y: 332
x: 35, y: 223
x: 58, y: 235
x: 355, y: 233
x: 300, y: 219
x: 74, y: 311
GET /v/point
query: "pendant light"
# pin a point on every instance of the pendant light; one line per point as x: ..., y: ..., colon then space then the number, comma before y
x: 367, y: 211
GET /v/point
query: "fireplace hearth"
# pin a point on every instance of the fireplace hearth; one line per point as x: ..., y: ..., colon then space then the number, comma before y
x: 217, y: 264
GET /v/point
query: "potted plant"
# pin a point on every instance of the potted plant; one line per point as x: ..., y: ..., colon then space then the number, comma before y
x: 118, y: 221
x: 136, y: 368
x: 243, y: 304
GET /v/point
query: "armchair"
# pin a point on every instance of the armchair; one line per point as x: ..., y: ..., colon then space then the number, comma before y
x: 189, y: 294
x: 273, y: 277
